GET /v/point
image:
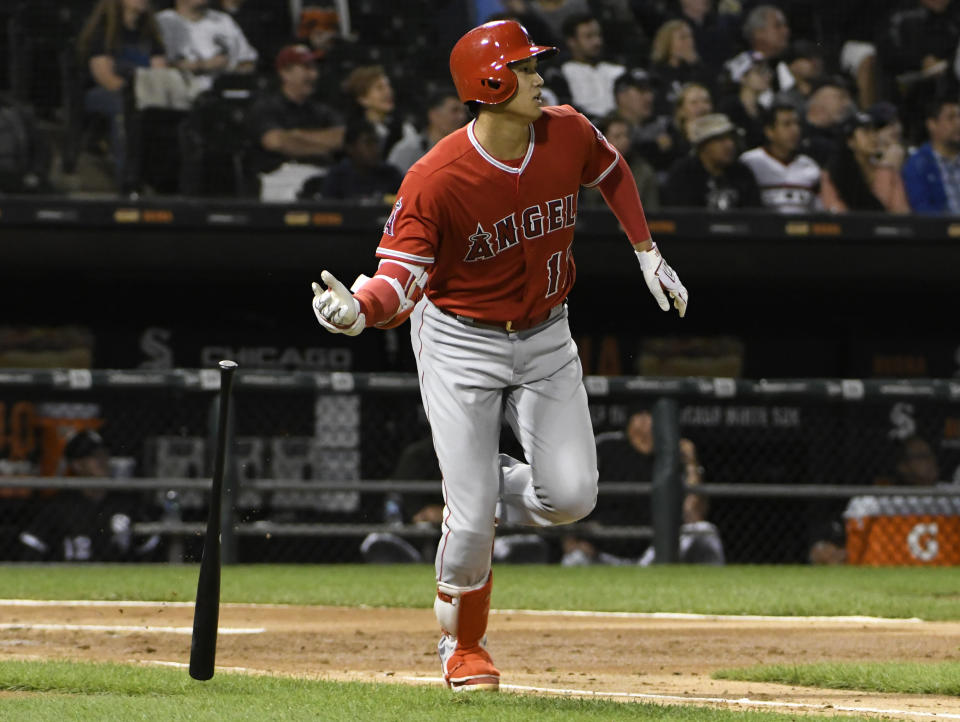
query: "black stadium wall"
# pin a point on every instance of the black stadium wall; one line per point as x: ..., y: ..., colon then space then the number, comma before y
x: 183, y: 284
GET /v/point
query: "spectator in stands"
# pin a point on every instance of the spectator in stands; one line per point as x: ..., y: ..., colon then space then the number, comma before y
x: 417, y: 462
x: 24, y: 149
x: 855, y: 180
x: 789, y: 181
x: 828, y: 544
x: 554, y: 13
x: 118, y: 37
x: 713, y: 178
x: 633, y: 95
x: 445, y: 113
x: 766, y: 31
x: 296, y: 136
x: 373, y: 99
x: 88, y: 524
x: 627, y: 456
x: 649, y: 134
x: 916, y: 50
x: 932, y: 173
x: 693, y: 102
x: 700, y: 541
x: 751, y: 72
x: 857, y: 25
x: 362, y: 175
x: 589, y: 78
x: 204, y: 42
x: 891, y: 150
x: 319, y: 28
x: 712, y: 32
x: 915, y: 464
x: 803, y: 63
x: 624, y: 37
x: 537, y: 27
x: 827, y: 107
x: 617, y: 132
x: 675, y: 63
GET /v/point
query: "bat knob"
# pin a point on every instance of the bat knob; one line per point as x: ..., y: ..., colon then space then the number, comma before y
x: 228, y: 365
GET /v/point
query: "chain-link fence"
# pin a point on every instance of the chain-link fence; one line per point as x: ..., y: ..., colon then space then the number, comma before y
x: 340, y: 467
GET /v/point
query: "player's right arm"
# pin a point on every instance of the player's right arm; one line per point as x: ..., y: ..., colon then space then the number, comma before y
x: 407, y: 251
x: 384, y: 301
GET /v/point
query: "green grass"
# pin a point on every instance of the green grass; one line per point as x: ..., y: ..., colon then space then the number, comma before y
x: 902, y: 677
x: 59, y: 690
x: 927, y: 593
x: 124, y: 692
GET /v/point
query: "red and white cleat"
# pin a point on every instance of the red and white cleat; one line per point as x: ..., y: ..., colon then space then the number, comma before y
x: 467, y: 669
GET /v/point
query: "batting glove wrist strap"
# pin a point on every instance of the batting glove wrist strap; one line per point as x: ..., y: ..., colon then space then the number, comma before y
x: 662, y: 280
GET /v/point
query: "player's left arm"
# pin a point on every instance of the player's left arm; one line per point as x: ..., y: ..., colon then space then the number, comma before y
x: 604, y: 168
x: 619, y: 190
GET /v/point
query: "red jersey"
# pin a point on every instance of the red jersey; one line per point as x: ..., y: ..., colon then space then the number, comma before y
x: 496, y: 239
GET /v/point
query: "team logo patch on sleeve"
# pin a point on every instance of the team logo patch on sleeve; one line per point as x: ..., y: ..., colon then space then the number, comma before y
x: 602, y: 138
x: 388, y: 226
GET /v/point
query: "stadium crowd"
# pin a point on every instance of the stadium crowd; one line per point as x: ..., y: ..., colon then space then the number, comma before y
x: 790, y: 105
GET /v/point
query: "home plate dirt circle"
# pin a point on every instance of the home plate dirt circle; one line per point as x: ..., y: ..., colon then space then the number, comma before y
x: 647, y: 659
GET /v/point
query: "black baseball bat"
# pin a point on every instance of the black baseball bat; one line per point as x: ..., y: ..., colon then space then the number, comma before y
x: 206, y: 610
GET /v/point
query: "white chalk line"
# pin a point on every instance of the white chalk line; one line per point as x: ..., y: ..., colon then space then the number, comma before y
x: 30, y: 627
x: 218, y: 668
x: 741, y: 701
x: 853, y: 619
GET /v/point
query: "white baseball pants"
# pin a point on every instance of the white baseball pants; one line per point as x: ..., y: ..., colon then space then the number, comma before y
x: 469, y: 379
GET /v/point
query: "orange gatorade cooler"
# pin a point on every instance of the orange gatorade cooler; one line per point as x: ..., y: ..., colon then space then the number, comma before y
x: 903, y: 531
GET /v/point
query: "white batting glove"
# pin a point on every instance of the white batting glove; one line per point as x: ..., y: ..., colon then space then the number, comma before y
x: 660, y: 277
x: 336, y: 308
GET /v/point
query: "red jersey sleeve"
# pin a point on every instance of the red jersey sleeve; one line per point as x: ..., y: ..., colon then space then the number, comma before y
x: 412, y: 231
x: 601, y: 157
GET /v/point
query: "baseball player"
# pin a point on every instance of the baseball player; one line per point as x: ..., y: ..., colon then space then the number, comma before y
x: 477, y: 253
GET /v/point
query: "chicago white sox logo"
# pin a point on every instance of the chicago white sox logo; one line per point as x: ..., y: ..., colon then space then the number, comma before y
x: 388, y: 226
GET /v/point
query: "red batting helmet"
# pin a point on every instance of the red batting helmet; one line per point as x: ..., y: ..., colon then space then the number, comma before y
x: 479, y: 60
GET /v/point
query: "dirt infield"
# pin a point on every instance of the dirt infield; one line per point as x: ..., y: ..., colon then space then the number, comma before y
x: 657, y: 658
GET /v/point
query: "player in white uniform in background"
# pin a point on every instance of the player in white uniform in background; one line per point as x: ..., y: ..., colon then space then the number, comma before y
x: 789, y: 181
x: 478, y: 254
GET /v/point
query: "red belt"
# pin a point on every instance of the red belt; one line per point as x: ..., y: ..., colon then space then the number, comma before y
x: 506, y: 326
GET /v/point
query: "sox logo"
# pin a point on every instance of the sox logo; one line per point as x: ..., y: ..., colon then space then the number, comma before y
x: 533, y: 222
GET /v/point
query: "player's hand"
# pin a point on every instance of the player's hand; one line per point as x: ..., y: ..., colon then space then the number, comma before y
x: 336, y: 308
x: 662, y: 280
